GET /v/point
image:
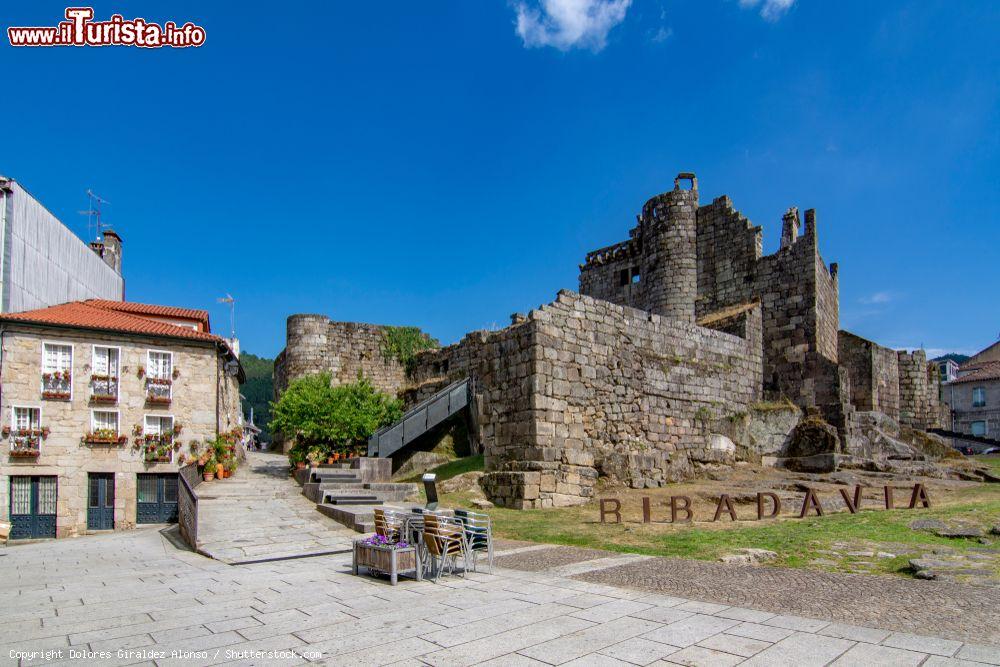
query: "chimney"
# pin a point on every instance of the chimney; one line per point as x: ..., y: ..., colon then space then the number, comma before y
x: 112, y: 250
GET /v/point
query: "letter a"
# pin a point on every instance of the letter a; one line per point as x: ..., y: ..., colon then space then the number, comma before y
x: 760, y: 505
x: 852, y: 503
x: 724, y: 500
x: 810, y: 501
x: 616, y: 511
x: 919, y: 495
x: 676, y: 508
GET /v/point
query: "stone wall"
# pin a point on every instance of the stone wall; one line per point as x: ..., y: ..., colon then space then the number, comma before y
x: 797, y: 292
x: 591, y: 388
x: 315, y: 344
x: 914, y: 404
x: 874, y: 374
x: 204, y: 401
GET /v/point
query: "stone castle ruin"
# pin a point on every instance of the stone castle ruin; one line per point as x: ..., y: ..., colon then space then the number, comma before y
x: 685, y: 348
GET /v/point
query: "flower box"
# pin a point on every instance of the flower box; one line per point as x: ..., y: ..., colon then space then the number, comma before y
x: 103, y: 398
x: 386, y: 558
x: 24, y: 452
x: 56, y: 395
x: 91, y: 439
x: 158, y: 457
x: 158, y: 400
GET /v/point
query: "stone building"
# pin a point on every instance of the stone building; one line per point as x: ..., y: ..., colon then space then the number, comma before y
x: 676, y: 334
x: 974, y: 395
x: 100, y: 401
x: 43, y: 263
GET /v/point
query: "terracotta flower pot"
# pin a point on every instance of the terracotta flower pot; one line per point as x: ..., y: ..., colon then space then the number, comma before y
x: 220, y: 471
x: 209, y: 476
x: 301, y: 465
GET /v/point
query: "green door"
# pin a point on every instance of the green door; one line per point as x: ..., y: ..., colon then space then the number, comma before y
x: 156, y: 498
x: 100, y: 501
x: 32, y: 507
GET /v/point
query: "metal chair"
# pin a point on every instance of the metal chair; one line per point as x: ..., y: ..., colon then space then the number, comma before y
x: 388, y: 524
x: 478, y: 535
x: 445, y: 542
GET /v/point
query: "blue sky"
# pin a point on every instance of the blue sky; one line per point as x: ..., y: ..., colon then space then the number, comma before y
x: 449, y: 163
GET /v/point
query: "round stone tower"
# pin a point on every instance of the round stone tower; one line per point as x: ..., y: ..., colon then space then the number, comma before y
x: 670, y: 229
x: 306, y: 346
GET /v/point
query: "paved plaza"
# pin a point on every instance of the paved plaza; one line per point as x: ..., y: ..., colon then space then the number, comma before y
x: 142, y: 597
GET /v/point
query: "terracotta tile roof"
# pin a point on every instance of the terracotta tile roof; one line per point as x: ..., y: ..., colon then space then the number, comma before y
x: 155, y: 311
x: 94, y: 314
x: 987, y: 370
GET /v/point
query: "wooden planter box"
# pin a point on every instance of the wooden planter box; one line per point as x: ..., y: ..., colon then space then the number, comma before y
x: 24, y: 453
x: 391, y: 561
x: 103, y: 398
x: 103, y: 441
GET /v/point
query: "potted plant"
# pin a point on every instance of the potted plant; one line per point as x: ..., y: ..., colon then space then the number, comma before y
x: 220, y: 469
x: 208, y: 473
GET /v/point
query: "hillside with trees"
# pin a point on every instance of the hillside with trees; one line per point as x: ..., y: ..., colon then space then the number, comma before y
x: 258, y: 390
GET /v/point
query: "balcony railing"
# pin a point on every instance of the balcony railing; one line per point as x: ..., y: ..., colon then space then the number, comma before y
x: 57, y: 385
x: 158, y: 390
x: 26, y: 442
x: 103, y: 389
x: 158, y: 448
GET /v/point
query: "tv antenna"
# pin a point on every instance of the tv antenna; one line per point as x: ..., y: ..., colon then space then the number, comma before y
x: 93, y: 214
x: 232, y: 312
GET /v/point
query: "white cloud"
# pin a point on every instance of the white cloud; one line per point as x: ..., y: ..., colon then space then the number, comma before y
x: 876, y: 298
x: 771, y: 10
x: 567, y: 24
x: 662, y: 35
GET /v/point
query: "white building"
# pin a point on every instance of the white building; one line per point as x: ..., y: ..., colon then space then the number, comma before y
x: 43, y: 263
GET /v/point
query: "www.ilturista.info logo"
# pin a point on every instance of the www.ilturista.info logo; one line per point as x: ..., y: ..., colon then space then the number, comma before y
x: 79, y: 29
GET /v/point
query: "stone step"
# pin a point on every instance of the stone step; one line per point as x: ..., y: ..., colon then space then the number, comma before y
x: 351, y: 500
x: 322, y: 476
x: 356, y: 517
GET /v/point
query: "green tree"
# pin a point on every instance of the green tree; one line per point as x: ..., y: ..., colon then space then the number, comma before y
x: 311, y: 412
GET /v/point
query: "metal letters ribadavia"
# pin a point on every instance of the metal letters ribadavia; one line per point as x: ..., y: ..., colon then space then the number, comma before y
x: 768, y: 505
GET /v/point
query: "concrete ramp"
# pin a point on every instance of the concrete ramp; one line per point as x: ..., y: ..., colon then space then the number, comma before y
x: 261, y: 514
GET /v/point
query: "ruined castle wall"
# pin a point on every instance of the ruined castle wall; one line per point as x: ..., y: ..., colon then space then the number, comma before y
x: 315, y: 345
x: 728, y: 250
x: 913, y: 389
x: 616, y: 390
x: 873, y: 372
x: 616, y: 274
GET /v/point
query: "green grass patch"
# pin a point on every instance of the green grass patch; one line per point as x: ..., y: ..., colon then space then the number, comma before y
x: 992, y: 460
x: 797, y: 541
x: 453, y: 468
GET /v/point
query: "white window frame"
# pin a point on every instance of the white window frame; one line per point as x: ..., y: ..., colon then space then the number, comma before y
x: 13, y: 414
x: 145, y: 423
x: 170, y: 387
x: 72, y: 358
x: 93, y: 367
x: 118, y: 420
x: 13, y: 421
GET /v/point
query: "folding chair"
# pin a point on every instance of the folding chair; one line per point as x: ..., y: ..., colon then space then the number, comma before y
x: 445, y: 542
x: 478, y: 535
x: 388, y: 524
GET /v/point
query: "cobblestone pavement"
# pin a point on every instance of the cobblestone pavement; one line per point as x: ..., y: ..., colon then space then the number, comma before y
x: 893, y: 603
x: 139, y: 598
x: 260, y: 513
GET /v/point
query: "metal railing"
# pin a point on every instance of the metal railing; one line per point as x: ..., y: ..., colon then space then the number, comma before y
x: 420, y: 418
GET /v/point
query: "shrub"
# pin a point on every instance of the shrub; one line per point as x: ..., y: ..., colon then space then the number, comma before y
x: 403, y: 343
x: 334, y: 418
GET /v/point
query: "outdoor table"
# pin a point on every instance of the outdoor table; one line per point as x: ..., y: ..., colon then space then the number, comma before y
x: 384, y: 559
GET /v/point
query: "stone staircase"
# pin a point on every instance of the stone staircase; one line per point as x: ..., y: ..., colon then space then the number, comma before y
x: 342, y: 493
